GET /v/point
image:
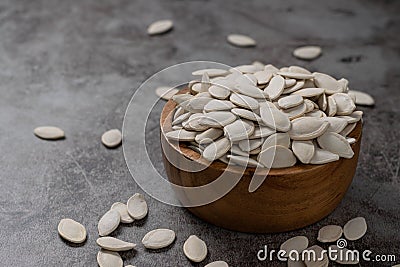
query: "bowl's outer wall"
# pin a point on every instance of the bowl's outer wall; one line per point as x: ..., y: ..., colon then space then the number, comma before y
x: 289, y: 198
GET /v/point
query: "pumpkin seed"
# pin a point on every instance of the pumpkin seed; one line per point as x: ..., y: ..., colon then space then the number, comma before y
x: 345, y: 259
x: 355, y: 228
x: 181, y: 118
x: 239, y: 130
x: 216, y: 149
x: 351, y: 140
x: 209, y: 135
x: 294, y: 88
x: 195, y: 249
x: 296, y: 112
x: 298, y: 69
x: 295, y: 75
x: 165, y: 92
x: 276, y: 157
x: 330, y: 84
x: 181, y: 135
x: 218, y: 105
x: 137, y: 206
x: 244, y: 101
x: 290, y: 101
x: 323, y: 156
x: 246, y: 114
x: 160, y: 26
x: 362, y: 98
x: 181, y: 98
x: 281, y: 139
x: 316, y: 113
x: 290, y: 82
x: 309, y: 105
x: 336, y: 144
x: 261, y: 131
x: 72, y: 231
x: 241, y: 40
x: 331, y: 107
x: 275, y: 87
x: 329, y: 233
x: 123, y: 212
x: 250, y: 90
x: 217, y: 264
x: 297, y: 243
x: 336, y: 125
x: 158, y: 238
x: 348, y: 129
x: 322, y: 102
x: 307, y: 128
x: 263, y: 77
x: 112, y: 138
x: 217, y: 119
x: 248, y: 145
x: 244, y: 161
x: 109, y: 222
x: 49, y: 132
x: 308, y: 52
x: 303, y: 150
x: 219, y: 92
x: 107, y: 258
x: 320, y: 259
x: 344, y: 104
x: 309, y: 92
x: 210, y: 72
x: 235, y: 149
x: 178, y: 112
x: 274, y: 118
x: 114, y: 244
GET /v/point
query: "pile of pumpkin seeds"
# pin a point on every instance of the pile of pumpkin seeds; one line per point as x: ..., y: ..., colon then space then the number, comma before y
x: 136, y: 208
x: 260, y: 116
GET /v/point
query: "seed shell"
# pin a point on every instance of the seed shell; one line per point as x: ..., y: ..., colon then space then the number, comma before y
x: 158, y: 238
x: 112, y: 138
x: 49, y: 133
x: 195, y: 249
x: 109, y: 222
x: 241, y: 40
x: 137, y: 206
x: 123, y: 212
x: 355, y: 228
x: 114, y: 244
x: 72, y: 231
x: 160, y: 27
x: 107, y: 258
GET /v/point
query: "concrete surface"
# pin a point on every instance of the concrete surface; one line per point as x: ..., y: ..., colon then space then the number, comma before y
x: 75, y: 64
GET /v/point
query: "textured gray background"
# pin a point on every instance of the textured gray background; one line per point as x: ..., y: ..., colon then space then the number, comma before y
x: 75, y: 64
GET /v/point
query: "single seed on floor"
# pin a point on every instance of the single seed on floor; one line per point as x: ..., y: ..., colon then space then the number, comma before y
x: 241, y: 40
x: 114, y: 244
x: 109, y: 222
x: 329, y: 233
x: 355, y: 228
x: 107, y: 258
x: 49, y: 133
x: 307, y: 52
x: 137, y: 206
x: 112, y: 138
x: 195, y: 249
x: 297, y: 243
x: 160, y: 26
x: 72, y: 231
x: 158, y: 238
x: 217, y: 264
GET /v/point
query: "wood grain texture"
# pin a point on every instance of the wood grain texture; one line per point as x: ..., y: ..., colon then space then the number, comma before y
x: 289, y: 198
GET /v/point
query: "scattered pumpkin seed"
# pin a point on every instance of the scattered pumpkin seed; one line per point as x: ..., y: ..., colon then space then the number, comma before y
x: 158, y: 238
x: 49, y: 133
x: 114, y: 244
x: 72, y: 231
x: 195, y: 249
x: 137, y: 206
x: 112, y: 138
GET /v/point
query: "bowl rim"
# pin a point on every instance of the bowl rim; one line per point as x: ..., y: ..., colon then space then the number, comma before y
x: 181, y: 148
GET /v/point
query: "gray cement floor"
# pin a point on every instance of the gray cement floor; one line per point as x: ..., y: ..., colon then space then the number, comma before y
x: 76, y: 64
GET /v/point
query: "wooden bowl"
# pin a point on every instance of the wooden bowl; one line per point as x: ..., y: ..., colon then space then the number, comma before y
x: 288, y: 199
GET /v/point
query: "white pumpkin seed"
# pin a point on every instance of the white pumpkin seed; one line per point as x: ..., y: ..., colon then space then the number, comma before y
x: 112, y: 138
x: 316, y: 113
x: 331, y: 108
x: 244, y: 161
x: 219, y: 92
x: 160, y: 26
x: 330, y: 84
x: 49, y: 132
x: 275, y: 87
x: 277, y: 157
x: 109, y: 222
x: 344, y: 104
x: 348, y: 129
x: 250, y: 90
x: 123, y: 212
x: 241, y: 40
x: 276, y: 139
x: 261, y: 131
x: 181, y: 118
x: 297, y: 243
x: 248, y: 145
x: 217, y: 119
x: 72, y: 231
x: 298, y: 69
x: 114, y: 244
x: 336, y: 125
x: 137, y: 206
x: 320, y: 259
x: 210, y: 72
x: 205, y: 82
x: 107, y: 258
x: 296, y: 112
x: 195, y: 249
x: 362, y: 98
x: 303, y: 150
x: 181, y: 98
x: 351, y: 140
x: 308, y: 52
x: 244, y: 101
x: 263, y: 77
x: 290, y: 101
x: 274, y: 118
x: 307, y: 128
x: 243, y: 69
x: 309, y: 105
x: 290, y: 82
x: 158, y: 238
x: 322, y: 156
x: 322, y: 102
x: 355, y: 228
x: 309, y: 92
x: 335, y: 143
x: 239, y: 130
x: 246, y: 114
x: 329, y: 233
x: 235, y: 149
x: 216, y: 149
x: 218, y: 105
x: 181, y: 135
x: 209, y: 135
x: 295, y: 75
x: 217, y: 264
x: 165, y: 92
x: 178, y: 112
x: 294, y: 88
